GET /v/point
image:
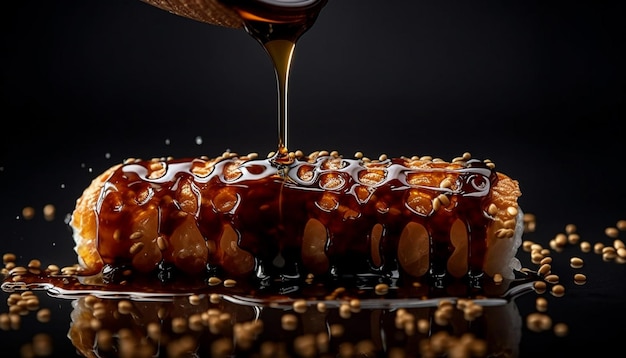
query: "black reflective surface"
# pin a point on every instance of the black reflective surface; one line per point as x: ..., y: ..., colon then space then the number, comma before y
x: 537, y: 88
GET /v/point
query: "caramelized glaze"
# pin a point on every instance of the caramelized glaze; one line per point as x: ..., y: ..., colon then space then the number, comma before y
x: 323, y: 215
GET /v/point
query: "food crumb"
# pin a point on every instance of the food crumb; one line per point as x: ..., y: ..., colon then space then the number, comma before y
x: 28, y: 212
x: 49, y: 211
x: 561, y: 329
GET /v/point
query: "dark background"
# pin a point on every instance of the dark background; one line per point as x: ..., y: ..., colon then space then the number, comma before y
x: 537, y: 87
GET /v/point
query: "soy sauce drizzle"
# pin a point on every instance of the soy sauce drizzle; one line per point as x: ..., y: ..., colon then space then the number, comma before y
x: 277, y: 25
x: 281, y: 52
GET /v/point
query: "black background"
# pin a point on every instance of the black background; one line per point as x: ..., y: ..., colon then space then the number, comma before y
x: 537, y: 87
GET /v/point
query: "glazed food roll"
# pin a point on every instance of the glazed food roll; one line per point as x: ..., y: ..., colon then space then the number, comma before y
x: 319, y: 214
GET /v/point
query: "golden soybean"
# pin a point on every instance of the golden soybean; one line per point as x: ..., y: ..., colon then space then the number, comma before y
x: 576, y: 262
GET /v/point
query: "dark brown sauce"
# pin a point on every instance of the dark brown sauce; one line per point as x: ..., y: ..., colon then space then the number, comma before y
x: 147, y: 288
x: 243, y: 218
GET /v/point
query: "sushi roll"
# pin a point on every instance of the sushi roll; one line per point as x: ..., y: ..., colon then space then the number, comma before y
x: 319, y: 214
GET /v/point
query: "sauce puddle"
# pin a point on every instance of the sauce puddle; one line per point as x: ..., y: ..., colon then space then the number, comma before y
x: 314, y: 320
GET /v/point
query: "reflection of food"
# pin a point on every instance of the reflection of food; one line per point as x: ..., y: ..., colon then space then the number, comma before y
x: 319, y: 215
x: 210, y: 326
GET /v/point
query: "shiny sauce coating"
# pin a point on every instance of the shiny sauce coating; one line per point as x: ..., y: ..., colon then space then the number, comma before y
x: 324, y: 216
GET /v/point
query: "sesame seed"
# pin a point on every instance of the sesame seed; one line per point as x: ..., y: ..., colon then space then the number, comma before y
x: 28, y: 212
x: 355, y: 305
x: 300, y: 306
x: 195, y: 299
x: 195, y: 322
x: 214, y: 281
x: 536, y: 247
x: 91, y: 300
x: 100, y: 312
x: 598, y: 247
x: 345, y: 311
x: 18, y: 271
x: 576, y: 262
x: 527, y: 245
x: 539, y: 286
x: 530, y: 222
x: 154, y: 331
x: 497, y: 278
x: 95, y: 324
x: 544, y: 269
x: 436, y: 204
x: 611, y: 232
x: 48, y: 212
x: 53, y: 269
x: 321, y: 307
x: 609, y: 255
x: 511, y: 210
x: 561, y: 329
x: 381, y: 289
x: 552, y: 278
x: 289, y: 322
x: 8, y: 258
x: 42, y: 345
x: 5, y: 322
x: 541, y: 304
x: 32, y: 304
x: 573, y: 238
x: 538, y: 322
x: 337, y: 330
x: 558, y: 290
x: 179, y: 325
x: 136, y: 247
x: 585, y: 246
x: 447, y: 183
x: 161, y: 243
x: 43, y: 315
x: 580, y: 279
x: 34, y: 263
x: 15, y: 321
x: 443, y: 198
x: 546, y: 260
x: 423, y: 325
x: 215, y: 298
x: 561, y: 239
x: 124, y: 307
x: 608, y: 249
